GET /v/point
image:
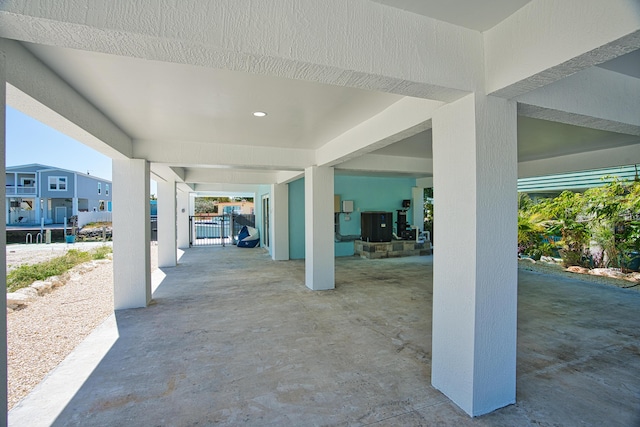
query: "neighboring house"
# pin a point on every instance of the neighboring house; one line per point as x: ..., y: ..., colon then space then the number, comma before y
x: 238, y: 208
x: 39, y: 191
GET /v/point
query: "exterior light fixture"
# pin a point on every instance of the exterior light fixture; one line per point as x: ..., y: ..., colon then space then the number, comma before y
x: 259, y: 113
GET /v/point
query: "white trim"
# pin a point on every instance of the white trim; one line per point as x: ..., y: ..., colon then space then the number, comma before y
x: 58, y: 180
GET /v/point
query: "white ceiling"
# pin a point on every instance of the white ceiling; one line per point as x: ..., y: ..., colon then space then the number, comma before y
x: 476, y: 15
x: 151, y: 100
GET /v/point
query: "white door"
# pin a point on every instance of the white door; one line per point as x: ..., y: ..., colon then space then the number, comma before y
x: 60, y: 213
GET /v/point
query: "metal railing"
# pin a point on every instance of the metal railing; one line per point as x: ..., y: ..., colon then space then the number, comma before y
x: 18, y: 189
x: 220, y: 230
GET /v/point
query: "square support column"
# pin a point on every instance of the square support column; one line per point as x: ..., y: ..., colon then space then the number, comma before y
x: 318, y: 228
x: 131, y: 232
x: 167, y: 240
x: 475, y: 264
x: 3, y: 244
x: 279, y: 217
x: 183, y: 219
x: 417, y: 207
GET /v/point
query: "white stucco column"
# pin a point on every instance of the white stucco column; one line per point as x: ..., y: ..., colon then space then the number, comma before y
x: 475, y: 265
x: 167, y: 242
x: 182, y: 219
x: 279, y: 217
x: 192, y: 204
x: 3, y: 246
x: 131, y: 232
x: 318, y: 228
x: 417, y: 207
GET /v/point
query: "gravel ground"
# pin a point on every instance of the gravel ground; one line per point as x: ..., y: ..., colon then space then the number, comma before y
x: 41, y: 335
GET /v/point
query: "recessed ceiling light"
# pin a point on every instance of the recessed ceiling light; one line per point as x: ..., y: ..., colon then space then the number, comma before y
x: 259, y: 113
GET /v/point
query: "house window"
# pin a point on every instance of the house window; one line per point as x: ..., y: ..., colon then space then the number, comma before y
x: 101, y: 205
x: 58, y: 183
x: 28, y: 182
x: 99, y: 188
x: 106, y: 189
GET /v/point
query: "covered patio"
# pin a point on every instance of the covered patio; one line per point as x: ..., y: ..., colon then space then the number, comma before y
x: 299, y: 103
x: 234, y: 338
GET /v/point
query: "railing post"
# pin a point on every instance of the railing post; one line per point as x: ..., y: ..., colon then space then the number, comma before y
x: 222, y: 230
x: 232, y: 229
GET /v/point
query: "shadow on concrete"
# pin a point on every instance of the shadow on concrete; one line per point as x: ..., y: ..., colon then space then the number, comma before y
x: 235, y: 338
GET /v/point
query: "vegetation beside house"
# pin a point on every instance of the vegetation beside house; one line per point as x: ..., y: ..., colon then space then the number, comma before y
x: 25, y: 275
x: 599, y: 228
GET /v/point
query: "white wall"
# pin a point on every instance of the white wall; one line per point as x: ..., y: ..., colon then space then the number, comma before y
x: 87, y: 217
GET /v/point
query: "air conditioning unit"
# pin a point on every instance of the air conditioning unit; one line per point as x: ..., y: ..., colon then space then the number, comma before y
x: 376, y: 226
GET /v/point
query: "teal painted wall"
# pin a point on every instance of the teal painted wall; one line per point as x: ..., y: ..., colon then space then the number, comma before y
x: 296, y: 219
x: 367, y: 193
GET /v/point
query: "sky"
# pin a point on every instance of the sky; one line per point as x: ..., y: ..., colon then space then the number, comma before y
x: 29, y: 141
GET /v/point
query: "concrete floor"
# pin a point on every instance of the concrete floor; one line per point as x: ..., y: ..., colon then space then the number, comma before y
x: 237, y: 339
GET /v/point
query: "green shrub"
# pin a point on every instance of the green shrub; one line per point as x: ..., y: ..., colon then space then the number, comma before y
x: 607, y: 215
x: 25, y: 275
x: 101, y: 252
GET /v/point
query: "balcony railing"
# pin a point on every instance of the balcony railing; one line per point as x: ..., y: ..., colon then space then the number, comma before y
x: 19, y: 189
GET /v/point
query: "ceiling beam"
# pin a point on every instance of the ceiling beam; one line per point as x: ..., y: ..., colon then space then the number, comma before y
x: 627, y: 155
x: 545, y: 41
x: 223, y: 155
x: 227, y: 189
x: 38, y: 92
x: 413, y: 166
x: 285, y: 177
x: 164, y: 173
x: 358, y: 44
x: 228, y: 176
x: 401, y: 120
x: 594, y: 98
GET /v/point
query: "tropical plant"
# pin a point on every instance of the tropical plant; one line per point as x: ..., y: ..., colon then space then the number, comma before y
x: 531, y: 233
x: 614, y: 210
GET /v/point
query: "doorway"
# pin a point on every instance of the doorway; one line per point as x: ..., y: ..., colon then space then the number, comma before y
x: 265, y: 221
x: 60, y: 214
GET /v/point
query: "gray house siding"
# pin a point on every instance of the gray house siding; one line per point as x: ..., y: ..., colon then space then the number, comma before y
x: 93, y: 193
x: 88, y: 188
x: 45, y: 191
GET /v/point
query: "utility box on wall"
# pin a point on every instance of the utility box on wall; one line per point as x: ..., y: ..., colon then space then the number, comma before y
x: 376, y: 226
